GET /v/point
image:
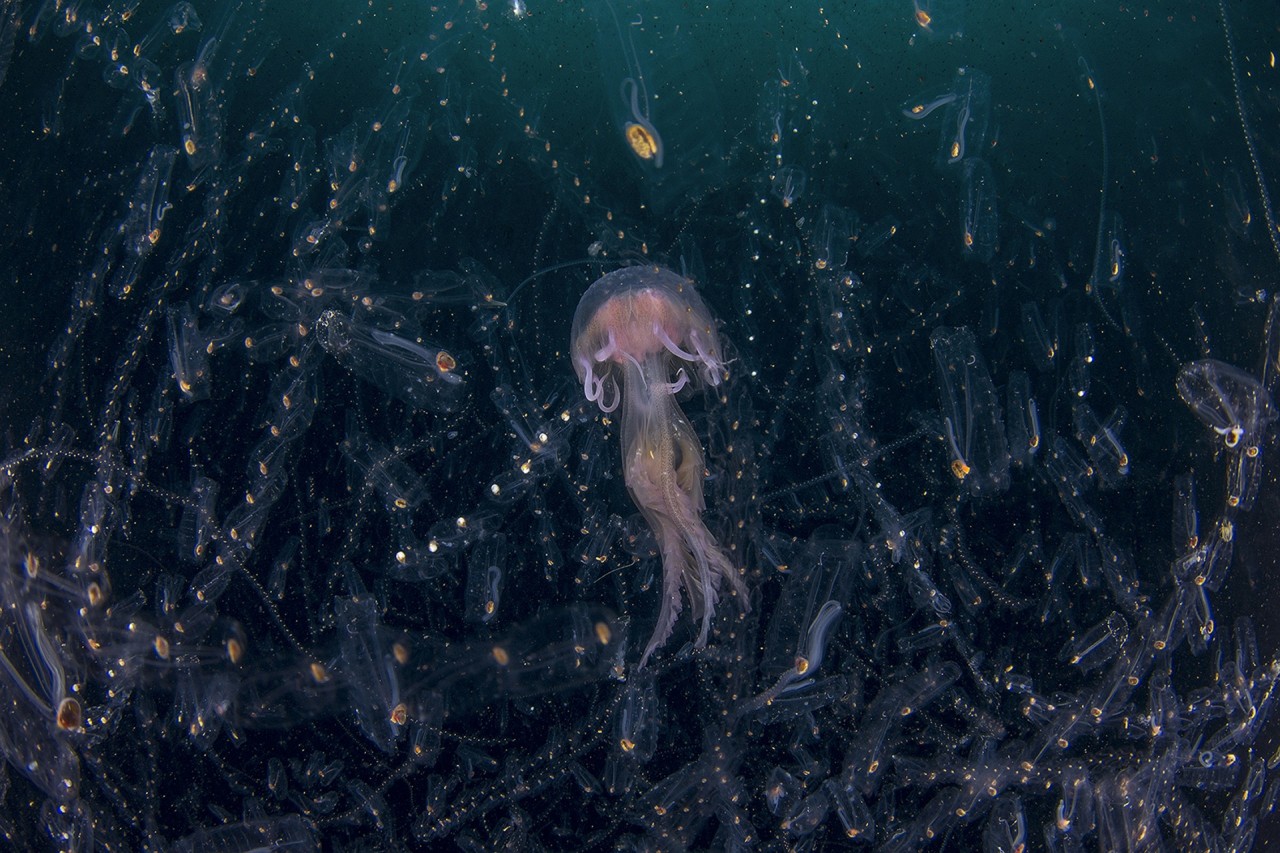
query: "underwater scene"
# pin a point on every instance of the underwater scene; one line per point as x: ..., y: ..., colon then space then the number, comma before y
x: 639, y: 425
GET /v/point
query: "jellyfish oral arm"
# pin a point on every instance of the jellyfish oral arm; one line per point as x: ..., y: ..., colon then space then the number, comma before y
x: 611, y: 350
x: 663, y: 467
x: 678, y: 385
x: 593, y: 388
x: 711, y: 366
x: 672, y: 347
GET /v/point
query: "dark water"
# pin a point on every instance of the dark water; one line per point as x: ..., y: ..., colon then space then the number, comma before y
x: 312, y: 538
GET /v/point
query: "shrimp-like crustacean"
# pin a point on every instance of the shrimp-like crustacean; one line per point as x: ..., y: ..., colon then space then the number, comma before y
x: 640, y: 335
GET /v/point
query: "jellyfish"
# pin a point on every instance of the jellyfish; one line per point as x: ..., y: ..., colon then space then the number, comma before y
x: 640, y: 336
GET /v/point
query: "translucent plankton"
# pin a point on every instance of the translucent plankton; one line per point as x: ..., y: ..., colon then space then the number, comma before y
x: 640, y: 336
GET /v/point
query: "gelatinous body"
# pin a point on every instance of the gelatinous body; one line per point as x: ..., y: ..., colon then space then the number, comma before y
x: 642, y: 137
x: 640, y: 335
x: 660, y: 96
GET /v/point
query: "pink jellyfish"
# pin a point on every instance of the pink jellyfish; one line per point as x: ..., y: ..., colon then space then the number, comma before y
x: 640, y: 335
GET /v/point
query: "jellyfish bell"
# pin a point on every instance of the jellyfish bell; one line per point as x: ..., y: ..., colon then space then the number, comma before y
x: 648, y: 318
